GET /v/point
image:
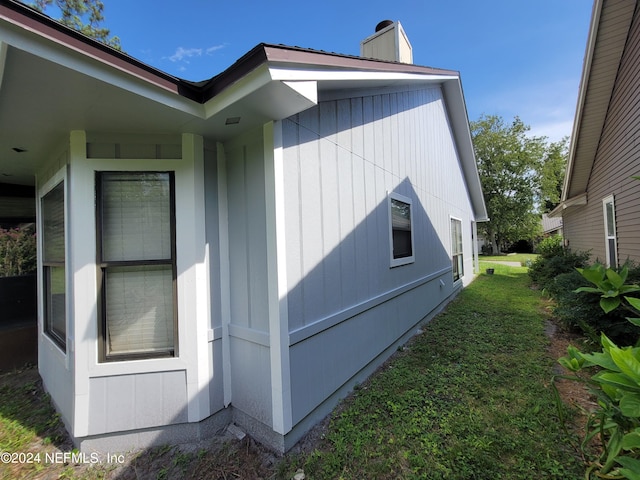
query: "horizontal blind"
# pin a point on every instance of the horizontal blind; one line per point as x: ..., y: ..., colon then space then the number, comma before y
x: 139, y: 309
x: 55, y: 301
x: 136, y: 216
x: 456, y: 236
x: 53, y: 225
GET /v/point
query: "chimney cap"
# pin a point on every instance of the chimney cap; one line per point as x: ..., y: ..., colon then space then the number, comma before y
x: 383, y: 24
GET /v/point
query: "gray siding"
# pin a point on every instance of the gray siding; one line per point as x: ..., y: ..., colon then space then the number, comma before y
x: 341, y: 159
x: 127, y: 402
x: 617, y: 159
x: 249, y: 322
x: 216, y: 392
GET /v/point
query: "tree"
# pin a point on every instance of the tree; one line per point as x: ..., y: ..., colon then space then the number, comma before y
x: 509, y: 162
x: 551, y: 174
x: 84, y: 16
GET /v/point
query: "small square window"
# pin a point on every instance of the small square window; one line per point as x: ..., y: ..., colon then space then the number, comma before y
x: 401, y: 232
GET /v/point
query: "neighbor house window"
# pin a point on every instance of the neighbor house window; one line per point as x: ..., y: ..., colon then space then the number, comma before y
x: 457, y: 260
x: 401, y: 230
x: 136, y: 250
x: 610, y: 231
x: 53, y: 269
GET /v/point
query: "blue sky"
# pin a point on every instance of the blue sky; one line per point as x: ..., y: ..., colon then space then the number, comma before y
x: 516, y: 57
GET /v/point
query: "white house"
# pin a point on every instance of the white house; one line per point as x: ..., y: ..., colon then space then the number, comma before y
x: 240, y: 250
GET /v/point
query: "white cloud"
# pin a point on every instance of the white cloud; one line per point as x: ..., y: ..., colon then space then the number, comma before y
x: 215, y: 48
x: 184, y: 54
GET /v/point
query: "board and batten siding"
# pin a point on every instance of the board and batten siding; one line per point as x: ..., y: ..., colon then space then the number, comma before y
x: 249, y: 320
x: 346, y: 305
x: 617, y: 160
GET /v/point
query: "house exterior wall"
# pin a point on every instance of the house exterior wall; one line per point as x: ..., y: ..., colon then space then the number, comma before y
x: 97, y: 398
x: 55, y: 366
x: 617, y: 160
x: 346, y: 304
x: 248, y: 329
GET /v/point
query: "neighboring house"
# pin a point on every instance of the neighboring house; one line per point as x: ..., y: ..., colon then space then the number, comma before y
x: 600, y: 199
x: 242, y: 250
x: 551, y: 225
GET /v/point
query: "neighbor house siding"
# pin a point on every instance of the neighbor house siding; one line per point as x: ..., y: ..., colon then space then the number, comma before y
x: 342, y: 159
x: 617, y: 160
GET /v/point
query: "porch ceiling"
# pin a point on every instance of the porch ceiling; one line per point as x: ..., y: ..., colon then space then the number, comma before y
x: 41, y: 101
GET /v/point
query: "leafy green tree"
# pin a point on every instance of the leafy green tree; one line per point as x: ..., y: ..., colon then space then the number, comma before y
x: 551, y: 174
x: 85, y: 16
x: 508, y: 162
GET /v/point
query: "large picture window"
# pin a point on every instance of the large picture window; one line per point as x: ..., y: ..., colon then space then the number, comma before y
x: 609, y: 212
x: 401, y: 230
x: 457, y: 259
x: 53, y: 265
x: 136, y: 249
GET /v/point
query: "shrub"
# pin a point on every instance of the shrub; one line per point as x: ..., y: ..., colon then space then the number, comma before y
x: 545, y: 269
x: 579, y: 312
x: 551, y: 247
x: 616, y: 383
x: 17, y: 251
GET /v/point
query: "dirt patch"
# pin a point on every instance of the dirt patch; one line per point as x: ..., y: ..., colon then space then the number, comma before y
x: 571, y: 392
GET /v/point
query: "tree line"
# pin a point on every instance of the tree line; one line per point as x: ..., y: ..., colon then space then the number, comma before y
x: 521, y: 177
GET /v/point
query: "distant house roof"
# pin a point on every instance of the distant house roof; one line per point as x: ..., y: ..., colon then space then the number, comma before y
x: 550, y: 224
x: 610, y: 24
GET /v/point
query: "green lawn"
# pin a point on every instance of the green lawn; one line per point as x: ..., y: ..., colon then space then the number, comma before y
x: 517, y: 257
x: 469, y: 398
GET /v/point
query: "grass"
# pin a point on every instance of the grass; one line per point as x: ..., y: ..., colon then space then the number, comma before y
x: 516, y: 257
x: 469, y: 398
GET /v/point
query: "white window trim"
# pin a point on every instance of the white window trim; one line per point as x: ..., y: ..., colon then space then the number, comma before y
x: 48, y: 186
x: 396, y: 262
x: 451, y: 255
x: 606, y: 200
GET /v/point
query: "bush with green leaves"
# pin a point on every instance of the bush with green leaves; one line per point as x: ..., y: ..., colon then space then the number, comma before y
x: 616, y: 383
x: 545, y: 269
x: 582, y: 313
x: 17, y: 251
x: 550, y: 247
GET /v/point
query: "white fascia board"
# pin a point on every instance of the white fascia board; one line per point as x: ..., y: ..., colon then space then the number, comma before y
x: 293, y: 74
x: 248, y: 84
x: 81, y: 61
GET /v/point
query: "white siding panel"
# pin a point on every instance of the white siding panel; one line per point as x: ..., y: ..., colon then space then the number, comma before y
x: 342, y: 159
x: 126, y: 402
x: 351, y: 153
x: 249, y: 338
x: 251, y: 379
